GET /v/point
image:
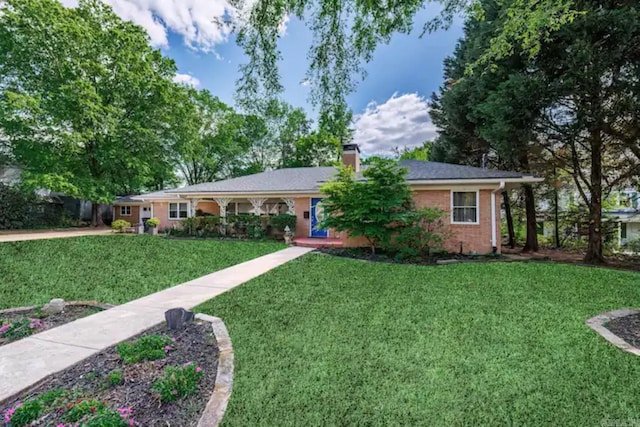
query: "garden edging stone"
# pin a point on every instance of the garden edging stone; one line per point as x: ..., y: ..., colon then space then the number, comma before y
x: 217, y: 405
x: 597, y: 324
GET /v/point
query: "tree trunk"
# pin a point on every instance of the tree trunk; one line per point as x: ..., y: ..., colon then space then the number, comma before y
x: 556, y: 208
x: 531, y: 245
x: 96, y: 215
x: 594, y: 247
x: 507, y: 211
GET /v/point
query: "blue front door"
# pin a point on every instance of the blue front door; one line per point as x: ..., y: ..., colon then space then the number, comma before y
x: 316, y: 216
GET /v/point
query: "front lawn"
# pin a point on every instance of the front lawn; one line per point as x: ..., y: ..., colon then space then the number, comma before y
x: 323, y: 341
x: 111, y: 269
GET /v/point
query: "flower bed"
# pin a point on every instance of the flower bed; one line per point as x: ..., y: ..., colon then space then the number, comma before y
x: 20, y: 323
x: 161, y: 377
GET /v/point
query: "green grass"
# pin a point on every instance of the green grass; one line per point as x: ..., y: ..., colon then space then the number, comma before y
x: 111, y: 269
x: 324, y: 341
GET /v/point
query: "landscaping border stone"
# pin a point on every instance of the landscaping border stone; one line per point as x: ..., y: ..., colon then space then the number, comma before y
x: 597, y: 324
x: 217, y: 405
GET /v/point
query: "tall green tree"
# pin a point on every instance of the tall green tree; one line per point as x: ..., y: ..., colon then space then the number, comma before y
x: 489, y: 118
x: 210, y: 137
x: 84, y: 99
x: 592, y: 115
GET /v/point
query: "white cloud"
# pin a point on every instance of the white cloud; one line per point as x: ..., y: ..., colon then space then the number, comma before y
x: 200, y: 23
x: 186, y: 79
x: 402, y: 121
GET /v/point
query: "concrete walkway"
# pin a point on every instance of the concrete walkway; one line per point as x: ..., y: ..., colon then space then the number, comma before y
x: 26, y: 362
x: 16, y: 236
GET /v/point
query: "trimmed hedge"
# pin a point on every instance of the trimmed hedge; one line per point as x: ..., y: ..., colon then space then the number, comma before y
x: 244, y: 226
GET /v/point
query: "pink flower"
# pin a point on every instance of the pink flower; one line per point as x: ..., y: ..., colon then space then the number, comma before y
x: 125, y: 412
x: 4, y: 328
x: 35, y: 323
x: 168, y: 348
x: 9, y: 412
x: 198, y: 369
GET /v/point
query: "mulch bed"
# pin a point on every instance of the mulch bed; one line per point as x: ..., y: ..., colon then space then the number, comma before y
x: 70, y: 313
x: 627, y: 328
x: 365, y: 254
x: 194, y: 344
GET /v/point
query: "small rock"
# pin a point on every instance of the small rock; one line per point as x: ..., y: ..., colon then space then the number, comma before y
x: 177, y: 317
x: 54, y: 306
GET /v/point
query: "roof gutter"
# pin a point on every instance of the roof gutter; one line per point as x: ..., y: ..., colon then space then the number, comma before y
x: 494, y: 225
x: 476, y: 181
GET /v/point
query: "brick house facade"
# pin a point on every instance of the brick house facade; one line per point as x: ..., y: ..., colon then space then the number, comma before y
x: 470, y: 196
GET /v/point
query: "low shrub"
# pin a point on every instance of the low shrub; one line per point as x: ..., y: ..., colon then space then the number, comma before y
x: 246, y: 225
x: 63, y: 408
x: 120, y: 225
x: 178, y: 382
x: 280, y: 222
x: 153, y: 222
x: 24, y: 414
x: 149, y: 347
x: 202, y: 226
x: 115, y: 377
x: 424, y: 233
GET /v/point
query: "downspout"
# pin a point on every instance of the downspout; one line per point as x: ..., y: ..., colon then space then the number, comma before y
x: 494, y: 232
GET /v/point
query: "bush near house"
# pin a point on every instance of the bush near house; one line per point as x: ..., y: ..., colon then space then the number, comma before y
x: 153, y: 222
x: 120, y: 225
x: 244, y: 226
x: 381, y: 209
x: 280, y: 222
x: 424, y: 233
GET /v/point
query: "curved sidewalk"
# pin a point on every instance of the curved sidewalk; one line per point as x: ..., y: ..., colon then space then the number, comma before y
x: 24, y: 363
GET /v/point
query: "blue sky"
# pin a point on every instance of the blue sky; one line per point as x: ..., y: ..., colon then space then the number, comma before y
x: 390, y: 105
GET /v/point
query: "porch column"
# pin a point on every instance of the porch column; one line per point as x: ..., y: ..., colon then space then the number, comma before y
x: 257, y: 206
x: 194, y: 204
x: 291, y: 206
x: 223, y: 203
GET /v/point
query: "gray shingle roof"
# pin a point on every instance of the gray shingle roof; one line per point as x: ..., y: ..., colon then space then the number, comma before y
x: 292, y: 179
x: 309, y: 179
x: 163, y: 194
x: 421, y: 171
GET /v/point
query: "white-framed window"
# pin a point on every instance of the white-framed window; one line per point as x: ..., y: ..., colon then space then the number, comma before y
x: 178, y: 210
x: 464, y: 207
x: 125, y: 210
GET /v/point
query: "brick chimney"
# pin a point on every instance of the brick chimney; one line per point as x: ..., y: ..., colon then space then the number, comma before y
x: 351, y: 156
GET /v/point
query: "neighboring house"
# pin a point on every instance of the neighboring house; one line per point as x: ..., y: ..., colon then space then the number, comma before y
x: 469, y: 195
x: 626, y: 210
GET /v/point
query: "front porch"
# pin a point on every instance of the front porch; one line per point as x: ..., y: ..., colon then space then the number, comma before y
x: 303, y: 208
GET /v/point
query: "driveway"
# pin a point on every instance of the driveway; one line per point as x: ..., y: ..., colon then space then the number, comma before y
x: 18, y: 235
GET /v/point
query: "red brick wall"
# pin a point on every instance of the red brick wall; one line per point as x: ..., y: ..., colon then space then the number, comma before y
x: 209, y: 206
x: 134, y: 218
x: 475, y: 238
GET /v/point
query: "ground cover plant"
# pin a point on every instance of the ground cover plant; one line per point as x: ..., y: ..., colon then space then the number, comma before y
x: 111, y: 269
x: 108, y: 391
x: 21, y: 324
x: 330, y: 341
